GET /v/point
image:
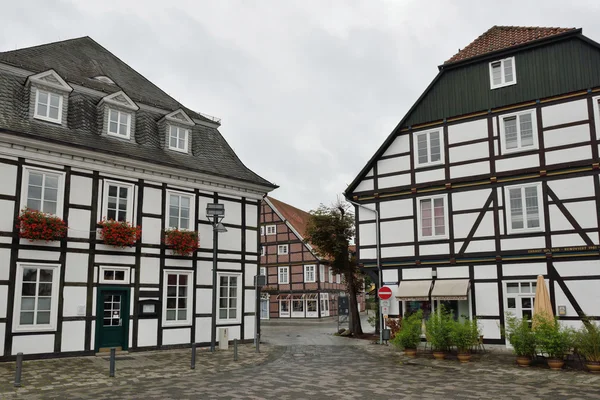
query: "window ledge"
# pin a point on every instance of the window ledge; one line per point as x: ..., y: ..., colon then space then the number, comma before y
x: 34, y: 329
x: 182, y: 324
x: 116, y: 135
x: 432, y: 238
x: 46, y: 119
x: 502, y: 85
x: 429, y: 164
x: 178, y: 150
x: 520, y: 149
x: 228, y: 321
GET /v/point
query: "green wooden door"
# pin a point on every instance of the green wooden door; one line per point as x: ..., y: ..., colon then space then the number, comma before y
x: 112, y: 318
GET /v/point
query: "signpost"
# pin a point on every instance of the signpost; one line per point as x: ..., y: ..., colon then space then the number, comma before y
x: 384, y: 293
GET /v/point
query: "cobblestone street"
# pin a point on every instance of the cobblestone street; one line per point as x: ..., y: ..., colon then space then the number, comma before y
x: 289, y: 369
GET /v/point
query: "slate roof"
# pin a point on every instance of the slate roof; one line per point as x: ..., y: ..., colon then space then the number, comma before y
x: 503, y: 37
x: 78, y: 61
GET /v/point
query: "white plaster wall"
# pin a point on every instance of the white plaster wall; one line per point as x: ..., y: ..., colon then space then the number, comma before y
x: 397, y: 231
x: 149, y: 270
x: 490, y: 328
x: 389, y: 275
x: 566, y: 155
x: 577, y: 268
x: 249, y: 327
x: 152, y: 201
x: 430, y: 176
x: 73, y: 336
x: 570, y: 135
x: 3, y: 301
x: 396, y: 164
x: 562, y: 300
x: 557, y: 219
x: 233, y: 212
x: 486, y: 298
x: 203, y: 329
x: 2, y: 334
x: 466, y: 131
x: 8, y: 179
x: 513, y: 163
x: 234, y: 332
x: 396, y: 251
x: 39, y: 255
x: 485, y: 272
x: 463, y: 223
x: 564, y: 113
x: 250, y: 299
x: 582, y: 211
x: 202, y: 202
x: 370, y: 173
x: 395, y: 208
x: 176, y: 336
x: 251, y: 241
x: 368, y: 253
x: 204, y: 275
x: 4, y: 264
x: 206, y: 240
x: 151, y: 230
x: 393, y: 181
x: 452, y: 272
x: 364, y: 186
x: 203, y: 301
x: 478, y: 168
x: 229, y: 265
x: 367, y: 234
x: 147, y: 329
x: 6, y: 216
x: 175, y: 262
x: 431, y: 249
x: 572, y: 188
x: 486, y: 226
x: 522, y: 243
x: 81, y: 190
x: 586, y: 293
x: 416, y: 273
x: 33, y: 344
x: 366, y: 214
x: 400, y: 145
x: 469, y: 152
x: 524, y: 269
x: 74, y: 296
x: 477, y: 246
x: 111, y: 259
x: 251, y: 215
x: 471, y: 199
x: 567, y: 240
x: 79, y: 223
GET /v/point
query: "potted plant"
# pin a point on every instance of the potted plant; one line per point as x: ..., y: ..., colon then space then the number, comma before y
x: 553, y: 340
x: 181, y: 242
x: 119, y: 233
x: 587, y: 341
x: 437, y: 332
x: 464, y: 335
x: 36, y: 225
x: 521, y: 337
x: 409, y: 335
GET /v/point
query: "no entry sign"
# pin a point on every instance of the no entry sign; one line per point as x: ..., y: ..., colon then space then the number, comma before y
x: 384, y: 293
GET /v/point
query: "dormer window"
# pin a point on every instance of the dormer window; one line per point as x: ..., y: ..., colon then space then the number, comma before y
x: 503, y: 73
x: 48, y: 106
x: 119, y: 123
x: 178, y: 138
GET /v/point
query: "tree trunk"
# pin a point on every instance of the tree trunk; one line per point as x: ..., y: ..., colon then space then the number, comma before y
x: 355, y: 326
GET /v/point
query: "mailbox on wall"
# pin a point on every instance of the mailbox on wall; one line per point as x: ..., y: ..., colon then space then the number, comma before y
x: 148, y: 308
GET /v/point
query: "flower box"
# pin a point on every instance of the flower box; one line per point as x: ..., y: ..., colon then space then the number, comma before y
x: 181, y: 242
x: 36, y: 225
x: 119, y: 233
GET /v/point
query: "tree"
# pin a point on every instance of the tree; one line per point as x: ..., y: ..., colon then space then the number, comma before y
x: 329, y: 231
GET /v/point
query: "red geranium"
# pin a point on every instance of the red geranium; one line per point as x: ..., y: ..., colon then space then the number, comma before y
x: 119, y: 233
x: 182, y: 242
x: 36, y: 225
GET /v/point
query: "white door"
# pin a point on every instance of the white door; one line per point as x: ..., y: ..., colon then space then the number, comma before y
x: 297, y: 308
x: 284, y: 308
x: 264, y: 309
x: 311, y: 308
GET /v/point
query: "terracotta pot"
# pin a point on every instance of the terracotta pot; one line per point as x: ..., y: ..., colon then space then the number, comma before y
x: 439, y: 355
x: 464, y: 357
x: 412, y: 353
x: 523, y: 361
x: 555, y: 364
x: 593, y: 366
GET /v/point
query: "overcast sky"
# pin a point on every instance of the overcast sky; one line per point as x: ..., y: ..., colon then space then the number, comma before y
x: 307, y: 90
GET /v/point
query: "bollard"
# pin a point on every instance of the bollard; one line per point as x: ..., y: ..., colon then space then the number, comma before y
x: 19, y: 370
x: 193, y: 366
x: 112, y: 362
x: 258, y: 343
x: 235, y: 353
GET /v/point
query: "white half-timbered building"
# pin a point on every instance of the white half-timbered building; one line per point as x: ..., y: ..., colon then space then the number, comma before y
x: 490, y: 179
x: 84, y: 137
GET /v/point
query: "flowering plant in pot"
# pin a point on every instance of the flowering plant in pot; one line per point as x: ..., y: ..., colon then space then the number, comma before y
x: 119, y: 233
x: 409, y: 335
x: 181, y: 242
x: 587, y: 341
x: 437, y: 332
x: 521, y: 337
x: 36, y: 225
x: 464, y: 335
x: 552, y: 339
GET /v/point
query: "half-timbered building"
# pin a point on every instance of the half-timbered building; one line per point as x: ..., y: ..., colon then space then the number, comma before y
x: 490, y: 179
x: 84, y: 137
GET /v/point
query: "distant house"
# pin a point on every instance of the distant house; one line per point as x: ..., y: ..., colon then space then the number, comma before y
x: 490, y: 179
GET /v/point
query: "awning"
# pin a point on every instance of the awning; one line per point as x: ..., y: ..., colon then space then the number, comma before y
x: 450, y: 289
x: 413, y: 290
x: 312, y: 296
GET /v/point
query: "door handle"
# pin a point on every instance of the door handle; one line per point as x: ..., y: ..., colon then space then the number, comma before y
x: 120, y: 322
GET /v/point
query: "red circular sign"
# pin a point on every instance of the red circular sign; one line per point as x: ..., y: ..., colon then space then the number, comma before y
x: 384, y: 292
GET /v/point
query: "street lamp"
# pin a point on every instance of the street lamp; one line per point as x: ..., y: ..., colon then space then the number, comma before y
x: 215, y: 213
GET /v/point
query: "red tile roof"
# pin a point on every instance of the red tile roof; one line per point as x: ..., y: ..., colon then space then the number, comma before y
x: 504, y: 37
x: 295, y: 216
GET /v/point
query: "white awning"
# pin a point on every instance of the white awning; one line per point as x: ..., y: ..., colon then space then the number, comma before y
x: 413, y: 290
x: 450, y: 289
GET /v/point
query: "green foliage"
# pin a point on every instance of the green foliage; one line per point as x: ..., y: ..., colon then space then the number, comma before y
x: 373, y: 319
x: 437, y: 329
x: 464, y: 334
x: 521, y: 336
x: 587, y: 341
x: 409, y: 335
x: 552, y: 338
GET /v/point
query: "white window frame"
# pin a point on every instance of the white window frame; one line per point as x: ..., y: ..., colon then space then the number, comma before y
x: 338, y: 279
x: 193, y: 222
x: 190, y: 297
x: 321, y: 273
x: 288, y: 313
x: 262, y: 271
x: 120, y: 114
x: 419, y: 221
x: 508, y: 211
x: 238, y: 303
x: 262, y: 251
x: 262, y: 230
x: 504, y: 83
x: 124, y: 281
x: 310, y: 276
x: 287, y: 275
x: 36, y: 114
x: 330, y: 275
x: 130, y: 202
x: 596, y: 106
x: 416, y: 148
x: 271, y: 230
x: 283, y: 249
x: 517, y: 296
x: 519, y: 148
x: 17, y: 327
x: 61, y: 187
x: 186, y: 141
x: 324, y: 300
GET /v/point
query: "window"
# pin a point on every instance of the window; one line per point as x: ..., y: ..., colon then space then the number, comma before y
x: 309, y: 273
x: 282, y: 249
x: 271, y: 229
x: 178, y: 139
x: 321, y: 273
x: 503, y: 73
x: 338, y: 278
x: 524, y: 212
x: 324, y: 297
x: 44, y: 191
x: 330, y: 280
x: 263, y: 271
x: 262, y: 250
x: 118, y: 201
x: 519, y: 132
x: 284, y: 277
x: 428, y: 148
x: 520, y: 297
x: 229, y: 295
x: 262, y: 230
x: 114, y: 275
x: 36, y: 297
x: 284, y: 308
x: 180, y: 211
x: 178, y: 300
x: 48, y: 106
x: 119, y: 123
x: 433, y: 217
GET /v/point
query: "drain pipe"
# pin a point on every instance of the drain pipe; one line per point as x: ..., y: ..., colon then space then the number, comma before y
x: 377, y: 245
